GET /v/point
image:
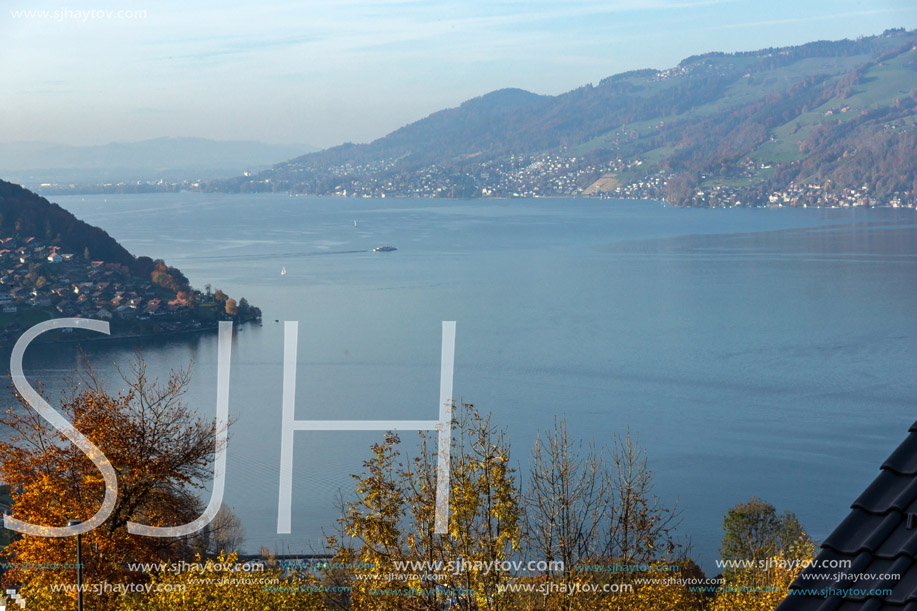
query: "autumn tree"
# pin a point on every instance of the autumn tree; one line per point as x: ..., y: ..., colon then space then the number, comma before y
x: 32, y: 276
x: 231, y: 308
x: 373, y: 525
x: 224, y: 534
x: 484, y: 515
x: 641, y: 527
x: 565, y: 504
x: 660, y: 590
x: 593, y: 508
x: 761, y: 587
x: 161, y: 452
x: 754, y: 531
x: 169, y: 278
x: 392, y: 520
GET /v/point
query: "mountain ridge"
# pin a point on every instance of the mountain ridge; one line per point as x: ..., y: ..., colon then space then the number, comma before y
x: 738, y: 123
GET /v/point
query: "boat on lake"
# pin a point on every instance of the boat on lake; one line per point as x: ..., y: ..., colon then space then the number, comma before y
x: 385, y: 248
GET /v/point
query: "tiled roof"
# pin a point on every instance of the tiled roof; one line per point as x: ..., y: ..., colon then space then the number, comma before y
x: 878, y: 537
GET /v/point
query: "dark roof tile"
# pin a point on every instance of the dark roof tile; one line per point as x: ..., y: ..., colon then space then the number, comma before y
x: 904, y: 459
x: 877, y: 567
x: 816, y: 603
x: 862, y: 531
x: 889, y: 490
x: 817, y: 578
x: 901, y: 542
x: 904, y: 589
x: 875, y: 538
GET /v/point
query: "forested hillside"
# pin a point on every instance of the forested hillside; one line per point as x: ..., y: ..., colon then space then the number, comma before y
x: 23, y: 213
x: 54, y: 265
x: 802, y: 125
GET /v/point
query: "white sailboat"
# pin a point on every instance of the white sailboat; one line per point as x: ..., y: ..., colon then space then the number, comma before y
x: 354, y: 222
x: 283, y: 271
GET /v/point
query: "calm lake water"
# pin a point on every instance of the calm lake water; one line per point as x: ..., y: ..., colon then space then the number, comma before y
x: 755, y: 352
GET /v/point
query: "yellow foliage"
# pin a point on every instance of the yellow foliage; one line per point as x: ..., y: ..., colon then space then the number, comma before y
x: 217, y: 585
x: 763, y: 588
x: 159, y: 449
x: 392, y: 521
x: 597, y: 590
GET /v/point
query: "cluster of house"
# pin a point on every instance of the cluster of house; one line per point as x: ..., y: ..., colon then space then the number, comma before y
x: 799, y: 196
x: 37, y: 276
x: 807, y: 195
x: 512, y: 176
x: 648, y: 187
x: 546, y: 175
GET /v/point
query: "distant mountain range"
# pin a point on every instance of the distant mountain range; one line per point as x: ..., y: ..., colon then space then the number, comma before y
x: 174, y: 159
x: 825, y: 123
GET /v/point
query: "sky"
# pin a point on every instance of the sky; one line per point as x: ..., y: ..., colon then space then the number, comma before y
x: 332, y: 71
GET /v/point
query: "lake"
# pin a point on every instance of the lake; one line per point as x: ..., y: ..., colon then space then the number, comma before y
x: 756, y: 352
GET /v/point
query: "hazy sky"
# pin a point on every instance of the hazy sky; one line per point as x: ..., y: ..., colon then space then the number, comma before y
x: 326, y: 72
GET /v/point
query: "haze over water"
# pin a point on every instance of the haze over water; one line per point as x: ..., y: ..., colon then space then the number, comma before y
x: 755, y: 352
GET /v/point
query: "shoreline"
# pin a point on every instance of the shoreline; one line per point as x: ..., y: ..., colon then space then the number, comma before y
x: 602, y: 196
x: 96, y: 337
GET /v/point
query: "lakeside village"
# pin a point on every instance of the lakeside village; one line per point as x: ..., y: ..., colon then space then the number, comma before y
x: 39, y: 282
x: 531, y: 176
x: 561, y: 176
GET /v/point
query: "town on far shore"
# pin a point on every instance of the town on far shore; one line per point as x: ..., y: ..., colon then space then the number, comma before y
x: 546, y: 175
x: 39, y: 281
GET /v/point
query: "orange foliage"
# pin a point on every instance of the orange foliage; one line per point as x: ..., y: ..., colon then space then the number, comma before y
x: 160, y: 452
